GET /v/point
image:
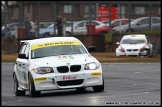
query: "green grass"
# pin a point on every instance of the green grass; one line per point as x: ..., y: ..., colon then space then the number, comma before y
x: 8, y: 57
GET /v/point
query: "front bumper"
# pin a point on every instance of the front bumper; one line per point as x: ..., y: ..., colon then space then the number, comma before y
x: 132, y: 53
x: 68, y: 80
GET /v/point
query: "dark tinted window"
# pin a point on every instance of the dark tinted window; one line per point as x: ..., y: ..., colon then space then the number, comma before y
x: 81, y: 24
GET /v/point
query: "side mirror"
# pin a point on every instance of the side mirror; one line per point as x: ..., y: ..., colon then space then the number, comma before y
x: 22, y: 56
x: 92, y: 49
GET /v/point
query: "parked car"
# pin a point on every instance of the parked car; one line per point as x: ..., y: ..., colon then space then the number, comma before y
x: 134, y: 45
x: 139, y: 24
x: 49, y: 30
x: 45, y: 32
x: 80, y: 28
x: 9, y: 31
x: 117, y: 22
x: 44, y: 24
x: 56, y: 63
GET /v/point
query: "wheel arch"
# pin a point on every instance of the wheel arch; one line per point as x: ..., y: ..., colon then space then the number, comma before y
x: 13, y: 74
x: 29, y: 75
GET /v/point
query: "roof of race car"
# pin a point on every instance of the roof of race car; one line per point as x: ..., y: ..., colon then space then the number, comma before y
x: 51, y: 39
x: 135, y: 36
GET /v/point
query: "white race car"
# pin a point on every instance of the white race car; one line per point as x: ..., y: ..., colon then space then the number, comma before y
x: 56, y: 63
x: 134, y: 45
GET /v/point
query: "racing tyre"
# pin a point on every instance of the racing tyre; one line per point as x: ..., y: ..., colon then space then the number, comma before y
x: 99, y: 88
x: 32, y: 91
x: 16, y: 85
x: 81, y: 89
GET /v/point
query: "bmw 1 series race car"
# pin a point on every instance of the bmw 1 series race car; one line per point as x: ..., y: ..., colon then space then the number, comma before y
x: 56, y: 63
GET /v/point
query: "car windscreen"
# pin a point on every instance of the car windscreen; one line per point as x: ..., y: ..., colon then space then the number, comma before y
x: 57, y: 50
x: 133, y: 41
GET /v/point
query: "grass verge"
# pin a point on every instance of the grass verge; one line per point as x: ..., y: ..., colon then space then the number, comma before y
x: 102, y: 57
x: 110, y: 57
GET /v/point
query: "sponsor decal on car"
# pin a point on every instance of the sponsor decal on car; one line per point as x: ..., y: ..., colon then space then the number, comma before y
x: 69, y: 77
x: 140, y: 39
x: 65, y: 57
x: 96, y: 73
x: 40, y: 79
x: 37, y: 46
x: 51, y: 79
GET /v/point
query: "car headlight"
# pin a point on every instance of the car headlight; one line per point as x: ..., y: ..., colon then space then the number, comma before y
x: 91, y: 66
x: 44, y: 70
x: 145, y: 47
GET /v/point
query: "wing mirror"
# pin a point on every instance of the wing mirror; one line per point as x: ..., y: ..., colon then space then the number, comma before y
x: 92, y: 49
x: 22, y: 56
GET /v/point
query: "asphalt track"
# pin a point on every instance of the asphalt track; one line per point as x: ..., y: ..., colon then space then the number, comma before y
x: 125, y: 84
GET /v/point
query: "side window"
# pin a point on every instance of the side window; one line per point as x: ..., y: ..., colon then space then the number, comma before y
x: 27, y: 50
x: 155, y: 20
x: 22, y: 51
x: 115, y: 24
x: 12, y: 28
x: 124, y: 22
x: 97, y: 24
x: 92, y: 22
x: 81, y: 24
x: 145, y: 21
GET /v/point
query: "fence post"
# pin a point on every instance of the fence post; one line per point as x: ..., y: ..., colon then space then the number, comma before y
x: 109, y: 16
x: 72, y: 6
x: 54, y: 17
x: 90, y: 14
x: 150, y: 6
x: 129, y: 14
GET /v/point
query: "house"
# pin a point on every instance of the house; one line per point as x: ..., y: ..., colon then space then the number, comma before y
x: 46, y: 11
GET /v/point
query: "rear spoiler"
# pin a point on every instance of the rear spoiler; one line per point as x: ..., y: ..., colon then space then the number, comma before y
x: 22, y: 42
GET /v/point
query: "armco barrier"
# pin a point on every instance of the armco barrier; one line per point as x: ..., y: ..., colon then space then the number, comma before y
x: 13, y: 45
x: 93, y: 40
